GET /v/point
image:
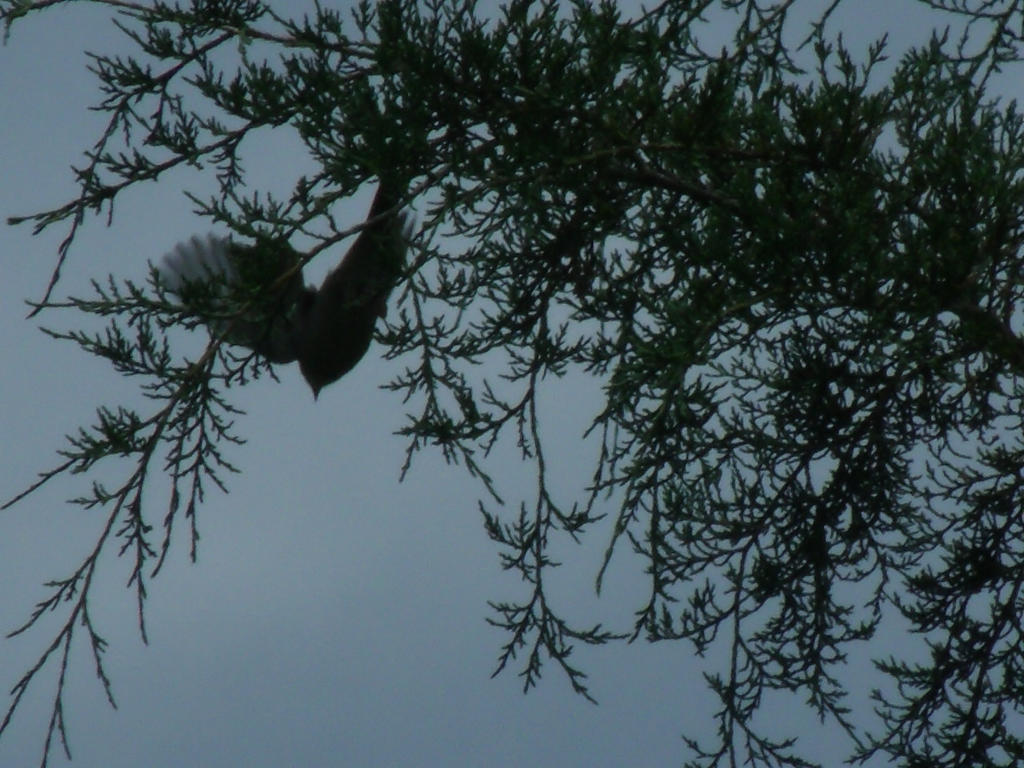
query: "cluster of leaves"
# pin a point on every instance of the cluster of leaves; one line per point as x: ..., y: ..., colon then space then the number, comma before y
x: 800, y: 286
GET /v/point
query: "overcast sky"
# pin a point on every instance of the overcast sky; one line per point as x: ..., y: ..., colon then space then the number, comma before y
x: 335, y: 616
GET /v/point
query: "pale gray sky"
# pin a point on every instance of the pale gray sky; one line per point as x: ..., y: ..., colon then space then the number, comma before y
x: 335, y: 616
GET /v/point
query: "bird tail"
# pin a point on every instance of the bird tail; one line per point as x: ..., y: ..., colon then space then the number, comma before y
x: 377, y: 267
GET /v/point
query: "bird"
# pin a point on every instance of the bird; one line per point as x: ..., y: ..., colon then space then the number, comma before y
x: 254, y: 295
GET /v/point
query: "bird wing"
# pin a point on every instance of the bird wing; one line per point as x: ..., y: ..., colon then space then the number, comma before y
x: 233, y: 288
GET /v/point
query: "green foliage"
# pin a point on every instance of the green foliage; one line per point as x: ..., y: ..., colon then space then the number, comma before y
x: 798, y: 280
